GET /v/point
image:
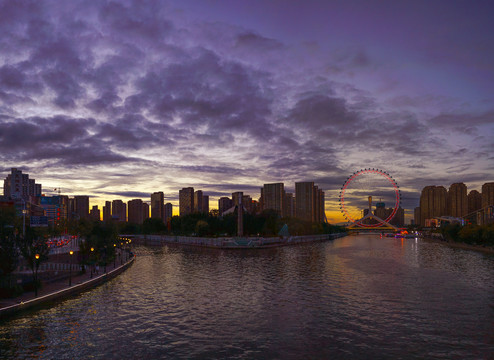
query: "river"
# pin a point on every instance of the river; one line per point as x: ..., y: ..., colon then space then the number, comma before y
x: 354, y: 297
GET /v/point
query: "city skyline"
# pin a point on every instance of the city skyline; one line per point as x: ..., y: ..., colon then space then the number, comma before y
x: 120, y: 100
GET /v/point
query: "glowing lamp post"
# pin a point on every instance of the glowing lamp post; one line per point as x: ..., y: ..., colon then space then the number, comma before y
x: 36, y: 277
x: 92, y: 265
x: 70, y: 267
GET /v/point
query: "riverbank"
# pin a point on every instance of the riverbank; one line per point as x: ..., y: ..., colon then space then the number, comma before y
x: 463, y: 246
x: 58, y: 290
x: 232, y: 242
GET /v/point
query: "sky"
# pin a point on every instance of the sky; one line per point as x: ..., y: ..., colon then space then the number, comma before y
x: 118, y: 99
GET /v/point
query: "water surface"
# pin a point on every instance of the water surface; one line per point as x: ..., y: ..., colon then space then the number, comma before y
x: 354, y: 297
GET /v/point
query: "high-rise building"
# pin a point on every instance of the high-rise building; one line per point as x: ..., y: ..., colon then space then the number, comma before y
x: 51, y: 208
x: 457, y: 200
x: 416, y: 215
x: 198, y: 197
x: 107, y: 211
x: 248, y: 204
x: 432, y: 203
x: 320, y: 215
x: 81, y: 203
x: 236, y: 197
x: 157, y: 203
x: 72, y: 213
x: 273, y: 197
x: 309, y: 202
x: 289, y: 205
x: 168, y: 212
x: 18, y: 186
x: 186, y: 201
x: 135, y: 211
x: 304, y: 200
x: 399, y: 218
x: 145, y: 211
x: 487, y: 194
x: 224, y: 203
x: 94, y: 214
x: 474, y: 201
x: 205, y: 204
x: 119, y: 210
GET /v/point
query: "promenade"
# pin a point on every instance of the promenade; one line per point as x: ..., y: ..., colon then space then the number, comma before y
x: 55, y: 290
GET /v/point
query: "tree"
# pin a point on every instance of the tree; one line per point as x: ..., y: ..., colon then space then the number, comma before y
x: 202, y: 228
x: 470, y: 234
x: 35, y: 251
x: 488, y: 235
x: 9, y: 256
x: 102, y: 237
x: 9, y: 251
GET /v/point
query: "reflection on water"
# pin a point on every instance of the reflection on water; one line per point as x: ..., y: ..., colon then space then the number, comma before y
x: 355, y: 297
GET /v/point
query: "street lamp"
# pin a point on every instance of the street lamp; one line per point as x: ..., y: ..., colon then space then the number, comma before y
x: 70, y: 267
x: 92, y: 265
x: 36, y: 277
x: 114, y: 256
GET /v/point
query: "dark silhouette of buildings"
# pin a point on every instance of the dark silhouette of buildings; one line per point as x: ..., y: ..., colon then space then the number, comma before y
x: 487, y: 194
x: 157, y: 205
x: 433, y: 202
x: 186, y: 201
x: 474, y: 201
x: 309, y: 202
x: 273, y: 197
x: 81, y: 203
x: 457, y: 200
x: 119, y: 210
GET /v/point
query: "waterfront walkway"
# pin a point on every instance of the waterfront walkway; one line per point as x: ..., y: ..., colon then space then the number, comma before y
x: 60, y: 288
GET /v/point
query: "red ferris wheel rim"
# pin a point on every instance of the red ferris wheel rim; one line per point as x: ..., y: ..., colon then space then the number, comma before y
x: 375, y: 171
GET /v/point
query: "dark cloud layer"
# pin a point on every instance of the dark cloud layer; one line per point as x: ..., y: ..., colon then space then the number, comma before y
x: 143, y: 88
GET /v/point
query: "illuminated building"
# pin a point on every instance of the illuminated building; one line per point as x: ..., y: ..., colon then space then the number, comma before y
x: 186, y: 201
x: 457, y: 200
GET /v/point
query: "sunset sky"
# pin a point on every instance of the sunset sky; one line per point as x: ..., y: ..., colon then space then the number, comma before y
x: 120, y: 99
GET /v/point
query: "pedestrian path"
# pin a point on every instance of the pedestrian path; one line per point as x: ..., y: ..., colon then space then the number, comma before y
x: 63, y: 284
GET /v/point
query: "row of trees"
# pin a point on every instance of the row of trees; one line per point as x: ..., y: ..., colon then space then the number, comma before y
x: 469, y: 234
x: 268, y: 223
x: 18, y: 242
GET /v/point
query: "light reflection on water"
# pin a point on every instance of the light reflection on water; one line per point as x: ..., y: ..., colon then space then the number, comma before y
x: 355, y: 297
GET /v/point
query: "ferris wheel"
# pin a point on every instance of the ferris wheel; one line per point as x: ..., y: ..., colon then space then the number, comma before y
x: 360, y: 190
